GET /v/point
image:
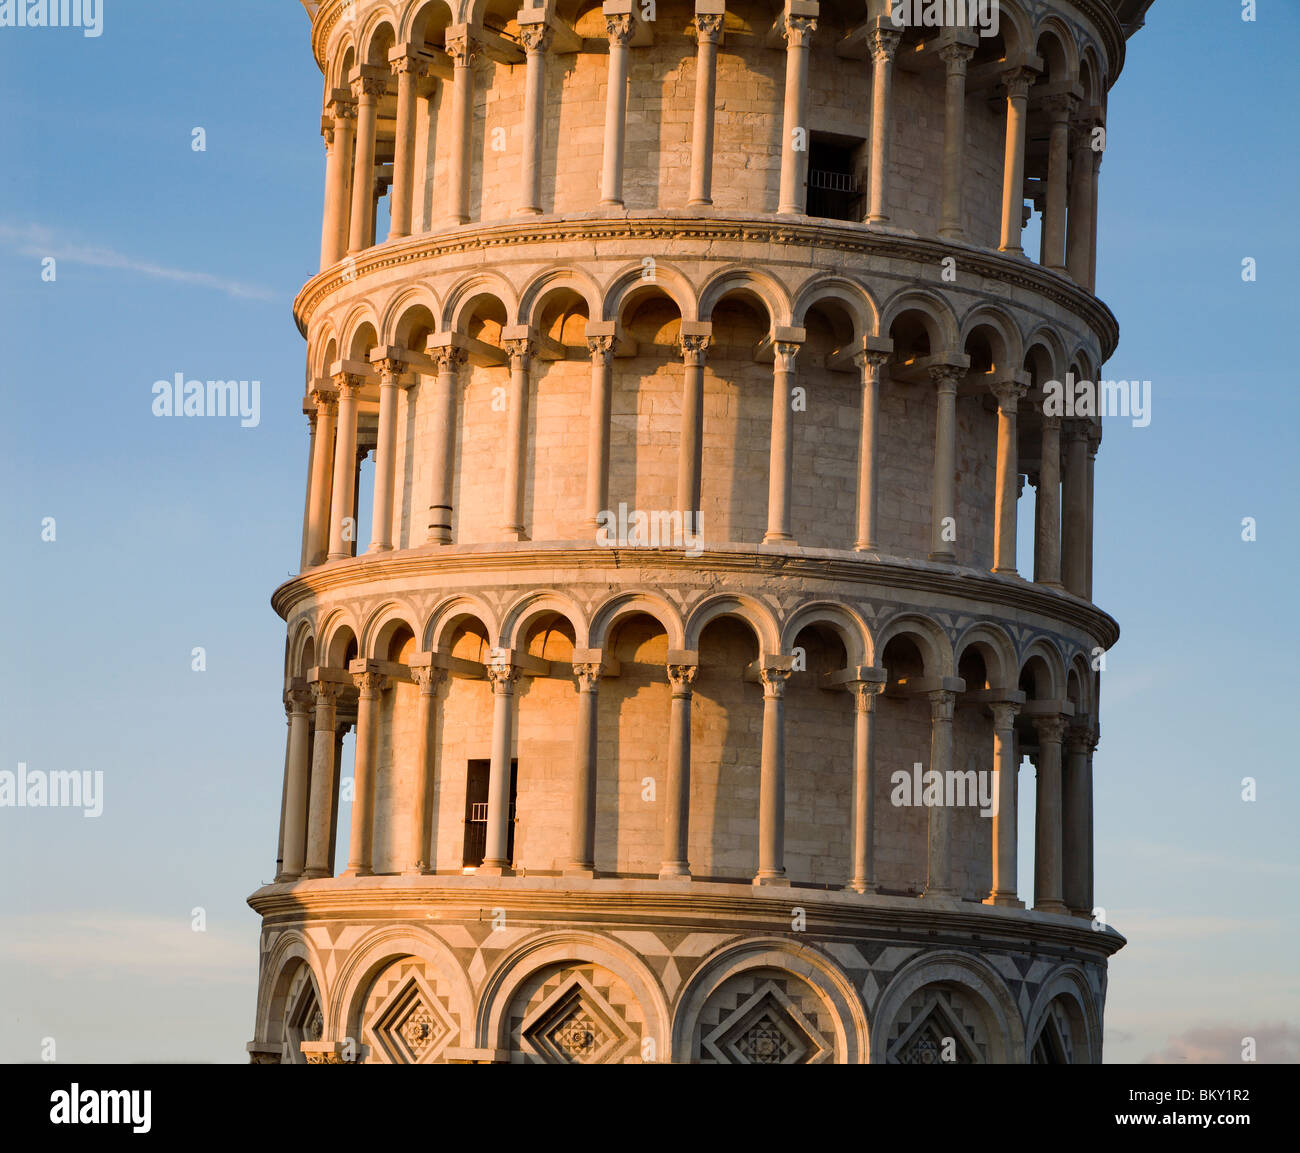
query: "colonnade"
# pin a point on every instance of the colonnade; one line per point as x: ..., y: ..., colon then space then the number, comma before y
x: 354, y: 182
x: 1063, y: 760
x: 1063, y: 508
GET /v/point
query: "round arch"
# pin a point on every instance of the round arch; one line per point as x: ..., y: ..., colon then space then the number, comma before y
x: 524, y: 611
x: 1045, y: 650
x: 447, y: 614
x: 635, y: 603
x: 746, y: 283
x: 631, y: 282
x: 855, y: 298
x: 756, y: 615
x: 842, y: 620
x: 1069, y: 983
x: 926, y: 634
x: 935, y: 312
x: 536, y: 291
x: 996, y: 649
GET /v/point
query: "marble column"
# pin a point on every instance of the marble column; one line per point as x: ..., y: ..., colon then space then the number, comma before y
x: 1074, y: 500
x: 771, y: 784
x: 322, y: 461
x: 1094, y: 443
x: 342, y: 527
x: 677, y: 801
x: 781, y: 444
x: 367, y: 89
x: 1007, y: 484
x: 324, y: 782
x: 1059, y: 109
x: 409, y: 69
x: 381, y: 527
x: 369, y: 687
x: 939, y: 880
x: 944, y: 499
x: 516, y: 444
x: 863, y: 879
x: 582, y: 829
x: 308, y: 497
x: 1047, y: 507
x: 691, y: 450
x: 955, y: 57
x: 870, y: 363
x: 884, y: 44
x: 462, y: 48
x: 1017, y: 82
x: 503, y: 676
x: 1093, y: 200
x: 619, y: 31
x: 602, y: 392
x: 708, y: 28
x: 536, y: 39
x: 428, y: 678
x: 1078, y: 259
x: 1076, y: 820
x: 448, y: 361
x: 1003, y: 891
x: 297, y: 780
x: 798, y: 32
x: 1047, y: 823
x: 340, y: 135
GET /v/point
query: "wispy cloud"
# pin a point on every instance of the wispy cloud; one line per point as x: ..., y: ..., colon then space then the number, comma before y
x: 39, y: 242
x: 100, y: 945
x: 1179, y: 859
x: 1276, y: 1043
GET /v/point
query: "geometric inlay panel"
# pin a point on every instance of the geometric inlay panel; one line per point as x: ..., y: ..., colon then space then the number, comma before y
x: 408, y: 1018
x: 574, y: 1015
x: 764, y: 1017
x: 937, y: 1026
x: 303, y: 1020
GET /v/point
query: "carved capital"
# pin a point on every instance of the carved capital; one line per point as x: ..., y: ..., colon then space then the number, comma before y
x: 409, y: 66
x: 946, y: 377
x: 348, y: 385
x: 942, y: 704
x: 1008, y: 393
x: 786, y: 351
x: 1004, y: 714
x: 1082, y: 738
x: 774, y: 681
x: 883, y: 43
x: 462, y: 48
x: 865, y: 694
x: 297, y: 702
x: 326, y: 402
x: 1050, y: 730
x: 448, y: 359
x: 798, y: 30
x: 1061, y: 106
x: 390, y: 369
x: 535, y: 38
x: 588, y: 674
x: 1017, y: 81
x: 429, y: 678
x: 325, y: 693
x: 619, y: 30
x: 870, y: 362
x: 1052, y: 426
x: 370, y: 684
x: 341, y: 109
x: 372, y: 87
x: 503, y: 676
x: 708, y: 28
x: 956, y: 56
x: 694, y: 350
x: 681, y: 678
x: 601, y: 349
x: 521, y: 349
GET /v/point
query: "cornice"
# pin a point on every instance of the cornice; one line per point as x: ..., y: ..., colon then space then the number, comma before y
x: 960, y: 584
x: 824, y: 237
x: 619, y: 903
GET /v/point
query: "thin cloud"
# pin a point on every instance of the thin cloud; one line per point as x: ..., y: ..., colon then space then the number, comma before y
x: 1276, y: 1043
x: 39, y: 242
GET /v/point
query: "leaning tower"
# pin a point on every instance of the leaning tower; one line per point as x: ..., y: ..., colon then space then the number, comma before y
x: 696, y: 576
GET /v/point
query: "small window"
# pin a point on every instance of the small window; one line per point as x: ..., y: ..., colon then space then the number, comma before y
x: 476, y: 812
x: 834, y: 187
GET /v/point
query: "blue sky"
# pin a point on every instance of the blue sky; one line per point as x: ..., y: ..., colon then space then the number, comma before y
x: 171, y: 534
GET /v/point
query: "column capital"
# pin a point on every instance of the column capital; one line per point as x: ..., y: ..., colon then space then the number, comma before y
x: 368, y: 81
x: 695, y: 347
x: 428, y: 677
x: 325, y: 399
x: 1051, y: 424
x: 405, y: 60
x: 942, y: 704
x: 390, y: 366
x: 1008, y: 393
x: 461, y: 45
x: 325, y: 692
x: 797, y: 31
x: 947, y: 376
x: 1005, y: 713
x: 370, y: 682
x: 773, y: 679
x: 298, y: 701
x: 535, y: 37
x: 588, y: 674
x: 619, y: 29
x: 884, y: 43
x: 1082, y: 738
x: 503, y: 676
x: 1075, y: 428
x: 1060, y: 106
x: 681, y: 677
x: 348, y: 384
x: 601, y: 348
x: 1050, y: 730
x: 1017, y: 81
x: 955, y: 55
x: 708, y: 27
x: 785, y: 353
x: 520, y: 348
x: 446, y: 357
x: 865, y: 693
x: 340, y: 105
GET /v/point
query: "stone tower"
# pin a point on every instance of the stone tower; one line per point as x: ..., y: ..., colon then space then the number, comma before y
x: 659, y: 688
